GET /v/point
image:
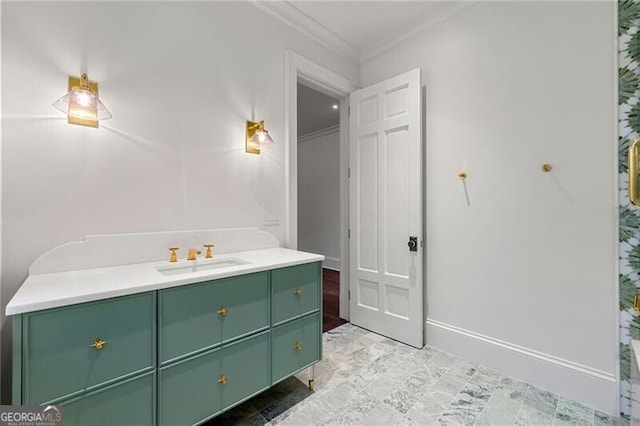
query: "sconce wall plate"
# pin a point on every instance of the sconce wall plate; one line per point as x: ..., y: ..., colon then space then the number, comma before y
x: 93, y: 88
x: 256, y: 136
x: 252, y: 128
x: 634, y: 172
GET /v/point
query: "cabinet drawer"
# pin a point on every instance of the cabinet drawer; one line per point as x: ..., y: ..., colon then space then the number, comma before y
x: 295, y: 346
x: 59, y: 359
x: 189, y: 318
x: 190, y: 392
x: 296, y: 291
x: 129, y: 403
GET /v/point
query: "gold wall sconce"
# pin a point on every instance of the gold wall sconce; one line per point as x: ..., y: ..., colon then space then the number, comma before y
x: 256, y: 136
x: 81, y: 104
x: 634, y: 170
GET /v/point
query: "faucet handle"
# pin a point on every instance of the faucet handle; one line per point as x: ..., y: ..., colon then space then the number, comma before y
x: 174, y: 254
x: 209, y: 255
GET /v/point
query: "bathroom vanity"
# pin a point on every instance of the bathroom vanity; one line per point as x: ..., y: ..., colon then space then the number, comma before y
x: 162, y: 343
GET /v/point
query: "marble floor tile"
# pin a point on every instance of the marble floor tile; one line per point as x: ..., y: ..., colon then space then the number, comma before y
x: 458, y: 417
x: 529, y: 416
x: 367, y: 379
x: 381, y: 414
x: 574, y: 413
x: 602, y: 419
x: 513, y: 388
x: 499, y: 410
x: 401, y: 400
x: 430, y: 407
x: 544, y: 401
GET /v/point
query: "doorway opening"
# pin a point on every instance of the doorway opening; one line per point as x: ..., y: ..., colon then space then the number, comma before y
x: 318, y: 140
x: 300, y: 72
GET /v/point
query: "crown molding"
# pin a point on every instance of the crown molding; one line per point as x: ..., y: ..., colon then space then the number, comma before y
x: 287, y: 13
x: 295, y: 18
x: 443, y: 15
x: 318, y: 133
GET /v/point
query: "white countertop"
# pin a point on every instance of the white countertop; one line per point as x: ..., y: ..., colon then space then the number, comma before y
x: 52, y: 290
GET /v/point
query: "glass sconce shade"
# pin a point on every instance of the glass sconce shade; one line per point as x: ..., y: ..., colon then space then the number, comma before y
x: 260, y: 137
x: 82, y: 104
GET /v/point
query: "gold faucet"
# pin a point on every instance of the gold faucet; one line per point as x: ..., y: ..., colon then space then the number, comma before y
x: 208, y: 254
x: 193, y: 253
x: 174, y: 255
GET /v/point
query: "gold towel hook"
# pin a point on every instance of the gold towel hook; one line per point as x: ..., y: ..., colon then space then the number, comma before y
x: 462, y: 175
x: 546, y: 167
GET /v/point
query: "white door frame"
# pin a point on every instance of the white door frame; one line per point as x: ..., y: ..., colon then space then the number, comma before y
x: 300, y: 69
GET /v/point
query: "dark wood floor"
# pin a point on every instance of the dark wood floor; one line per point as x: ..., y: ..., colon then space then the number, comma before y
x: 331, y: 300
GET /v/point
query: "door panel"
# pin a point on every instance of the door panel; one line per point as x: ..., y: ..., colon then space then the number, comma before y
x: 368, y: 202
x: 386, y: 208
x: 396, y: 223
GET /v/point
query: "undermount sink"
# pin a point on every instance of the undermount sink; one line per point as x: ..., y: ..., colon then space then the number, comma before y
x: 199, y: 266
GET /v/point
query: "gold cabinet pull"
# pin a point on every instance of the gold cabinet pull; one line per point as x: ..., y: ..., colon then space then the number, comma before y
x: 297, y: 347
x: 223, y: 312
x: 98, y: 344
x: 297, y: 292
x: 222, y: 379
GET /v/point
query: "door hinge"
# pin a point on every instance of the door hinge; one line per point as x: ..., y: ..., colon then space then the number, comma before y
x: 421, y: 243
x: 349, y: 233
x: 349, y: 172
x: 349, y: 294
x: 349, y: 111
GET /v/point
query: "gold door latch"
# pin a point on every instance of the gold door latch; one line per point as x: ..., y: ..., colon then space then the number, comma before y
x: 297, y: 347
x: 98, y: 344
x: 223, y: 312
x: 223, y: 379
x: 297, y: 292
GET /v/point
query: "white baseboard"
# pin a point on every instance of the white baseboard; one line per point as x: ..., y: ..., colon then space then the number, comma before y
x: 592, y: 387
x: 332, y: 263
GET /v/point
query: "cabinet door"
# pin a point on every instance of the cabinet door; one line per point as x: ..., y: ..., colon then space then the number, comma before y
x: 59, y: 359
x: 295, y: 345
x: 296, y: 291
x: 201, y: 316
x: 129, y: 403
x: 193, y: 390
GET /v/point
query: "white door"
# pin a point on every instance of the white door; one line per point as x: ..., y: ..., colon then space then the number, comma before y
x: 385, y: 205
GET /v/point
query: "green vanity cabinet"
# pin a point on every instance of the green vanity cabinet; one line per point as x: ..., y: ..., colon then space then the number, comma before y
x: 174, y: 356
x: 129, y: 403
x: 296, y: 345
x: 295, y: 291
x: 202, y: 316
x: 61, y: 351
x: 196, y: 389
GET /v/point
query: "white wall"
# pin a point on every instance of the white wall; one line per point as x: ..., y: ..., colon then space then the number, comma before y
x: 180, y: 78
x: 319, y: 196
x: 523, y: 277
